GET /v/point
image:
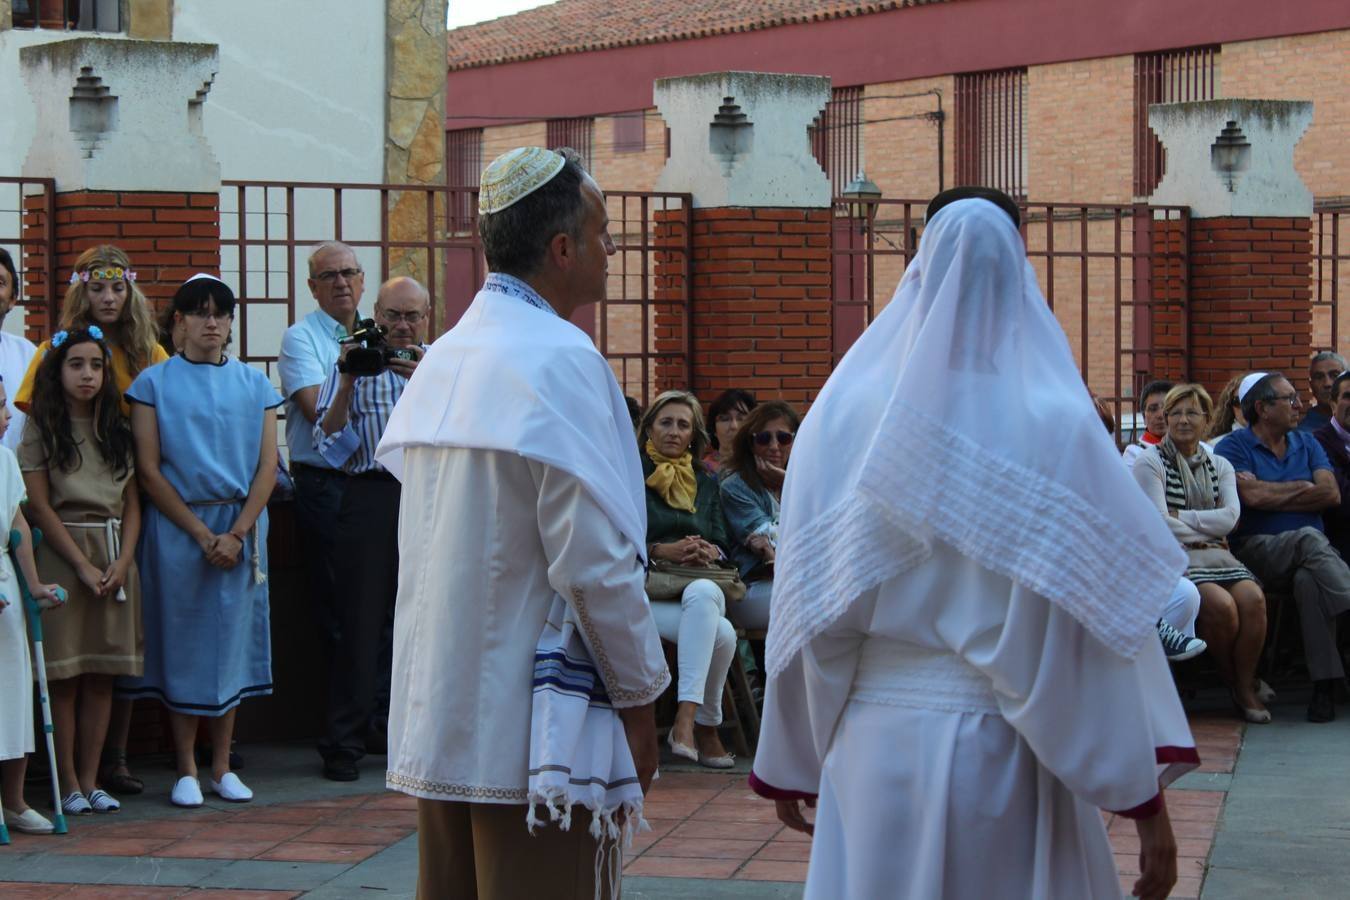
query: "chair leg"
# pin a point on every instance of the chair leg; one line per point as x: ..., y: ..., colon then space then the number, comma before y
x: 731, y: 716
x: 751, y: 714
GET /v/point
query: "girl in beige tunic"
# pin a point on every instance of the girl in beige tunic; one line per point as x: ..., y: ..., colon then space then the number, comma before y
x: 77, y: 462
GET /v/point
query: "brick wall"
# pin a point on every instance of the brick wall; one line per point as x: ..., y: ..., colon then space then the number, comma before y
x: 1080, y: 135
x: 1250, y: 299
x: 760, y: 302
x: 169, y: 236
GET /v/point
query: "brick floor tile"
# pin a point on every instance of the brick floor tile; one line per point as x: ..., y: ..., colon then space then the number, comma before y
x: 784, y: 851
x: 224, y: 894
x: 258, y: 831
x: 345, y: 834
x: 300, y: 851
x: 679, y: 809
x: 31, y: 890
x: 735, y: 812
x: 176, y: 829
x: 772, y: 870
x: 120, y: 892
x: 110, y: 846
x: 335, y: 802
x: 706, y: 848
x: 746, y: 831
x: 787, y: 834
x: 289, y: 815
x: 388, y: 818
x: 222, y: 846
x: 390, y: 801
x: 1127, y: 863
x: 668, y: 867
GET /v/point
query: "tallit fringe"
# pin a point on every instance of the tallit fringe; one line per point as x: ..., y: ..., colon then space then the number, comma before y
x: 611, y: 838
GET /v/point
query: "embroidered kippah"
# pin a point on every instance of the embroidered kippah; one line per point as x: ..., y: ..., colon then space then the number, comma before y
x: 1248, y: 383
x: 515, y: 175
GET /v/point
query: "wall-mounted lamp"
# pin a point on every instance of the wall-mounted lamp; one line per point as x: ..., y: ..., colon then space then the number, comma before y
x: 862, y: 195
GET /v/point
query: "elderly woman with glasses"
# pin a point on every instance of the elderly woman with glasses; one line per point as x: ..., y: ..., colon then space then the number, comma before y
x: 750, y: 495
x: 685, y: 527
x: 1196, y: 491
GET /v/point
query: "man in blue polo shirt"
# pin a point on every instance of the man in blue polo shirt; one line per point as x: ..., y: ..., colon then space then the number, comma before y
x: 1284, y: 481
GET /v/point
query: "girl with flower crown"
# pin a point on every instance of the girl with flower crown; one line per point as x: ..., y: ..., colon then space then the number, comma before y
x: 77, y: 459
x: 103, y: 292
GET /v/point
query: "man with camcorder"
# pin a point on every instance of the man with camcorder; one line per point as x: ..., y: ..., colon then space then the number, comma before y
x: 374, y: 364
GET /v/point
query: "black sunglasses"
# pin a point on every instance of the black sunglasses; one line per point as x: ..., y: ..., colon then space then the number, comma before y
x: 764, y: 437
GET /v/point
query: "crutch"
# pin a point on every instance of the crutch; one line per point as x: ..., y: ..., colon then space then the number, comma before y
x: 40, y: 663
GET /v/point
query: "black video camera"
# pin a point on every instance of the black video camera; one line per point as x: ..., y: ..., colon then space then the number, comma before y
x: 372, y: 357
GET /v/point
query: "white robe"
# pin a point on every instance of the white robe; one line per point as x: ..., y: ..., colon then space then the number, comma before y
x: 962, y: 733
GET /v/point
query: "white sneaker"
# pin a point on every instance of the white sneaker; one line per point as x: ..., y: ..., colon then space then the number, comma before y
x: 230, y: 788
x: 187, y: 791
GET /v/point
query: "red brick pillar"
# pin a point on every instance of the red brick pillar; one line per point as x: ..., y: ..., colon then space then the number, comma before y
x: 1250, y: 298
x: 168, y: 235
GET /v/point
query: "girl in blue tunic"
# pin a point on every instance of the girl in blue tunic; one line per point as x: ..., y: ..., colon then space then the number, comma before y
x: 206, y: 452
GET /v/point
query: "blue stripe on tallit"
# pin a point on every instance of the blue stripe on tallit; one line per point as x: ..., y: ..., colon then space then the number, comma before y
x: 557, y: 671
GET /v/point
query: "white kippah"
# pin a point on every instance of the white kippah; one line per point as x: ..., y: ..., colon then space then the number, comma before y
x: 1246, y: 384
x: 515, y: 175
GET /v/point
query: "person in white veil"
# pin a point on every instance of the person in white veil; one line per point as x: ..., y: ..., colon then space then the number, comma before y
x: 962, y: 659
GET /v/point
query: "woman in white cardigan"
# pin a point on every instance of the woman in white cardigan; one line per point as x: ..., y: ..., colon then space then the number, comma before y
x: 1196, y: 491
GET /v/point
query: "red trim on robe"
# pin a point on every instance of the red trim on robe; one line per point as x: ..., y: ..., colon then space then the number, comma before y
x: 764, y: 789
x: 1165, y: 756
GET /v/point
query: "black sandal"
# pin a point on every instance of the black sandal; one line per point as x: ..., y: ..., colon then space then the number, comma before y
x: 112, y: 780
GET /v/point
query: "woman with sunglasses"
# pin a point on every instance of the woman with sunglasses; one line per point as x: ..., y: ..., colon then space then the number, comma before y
x: 750, y: 494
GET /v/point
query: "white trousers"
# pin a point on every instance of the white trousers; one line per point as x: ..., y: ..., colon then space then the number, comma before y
x: 1182, y: 607
x: 705, y: 643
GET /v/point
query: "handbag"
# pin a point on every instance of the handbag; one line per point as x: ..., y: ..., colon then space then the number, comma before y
x: 667, y: 580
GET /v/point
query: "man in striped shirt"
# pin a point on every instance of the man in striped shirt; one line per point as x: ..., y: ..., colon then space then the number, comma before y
x: 350, y: 417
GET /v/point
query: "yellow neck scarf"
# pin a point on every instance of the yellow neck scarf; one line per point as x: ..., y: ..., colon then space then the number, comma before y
x: 673, y: 479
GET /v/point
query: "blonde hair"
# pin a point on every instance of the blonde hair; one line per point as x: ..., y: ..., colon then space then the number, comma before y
x: 1189, y: 392
x: 700, y: 441
x: 136, y: 332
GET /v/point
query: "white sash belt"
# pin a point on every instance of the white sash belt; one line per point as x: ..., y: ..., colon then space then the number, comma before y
x: 112, y: 536
x: 895, y: 673
x: 259, y: 576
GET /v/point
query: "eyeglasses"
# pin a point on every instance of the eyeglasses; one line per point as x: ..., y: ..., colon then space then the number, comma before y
x: 1291, y: 399
x: 393, y: 316
x: 764, y: 438
x: 1178, y: 414
x: 216, y: 316
x: 327, y: 276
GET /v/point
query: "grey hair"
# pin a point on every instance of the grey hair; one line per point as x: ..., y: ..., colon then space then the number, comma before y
x: 1325, y: 355
x: 325, y: 247
x: 515, y: 239
x: 1261, y: 392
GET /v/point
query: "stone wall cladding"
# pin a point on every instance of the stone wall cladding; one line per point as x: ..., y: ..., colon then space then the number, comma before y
x: 169, y: 237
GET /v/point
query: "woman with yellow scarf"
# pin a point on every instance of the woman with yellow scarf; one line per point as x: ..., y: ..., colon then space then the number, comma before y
x: 685, y: 526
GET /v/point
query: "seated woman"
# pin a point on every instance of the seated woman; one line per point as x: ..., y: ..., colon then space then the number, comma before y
x: 1228, y: 411
x: 685, y: 526
x: 726, y: 414
x: 750, y: 495
x: 1197, y: 492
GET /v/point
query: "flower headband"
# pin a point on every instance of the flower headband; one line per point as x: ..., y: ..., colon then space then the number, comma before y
x: 112, y: 273
x: 60, y: 337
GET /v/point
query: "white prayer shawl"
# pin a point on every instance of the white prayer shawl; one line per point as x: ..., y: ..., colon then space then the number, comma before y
x: 512, y: 377
x: 959, y: 415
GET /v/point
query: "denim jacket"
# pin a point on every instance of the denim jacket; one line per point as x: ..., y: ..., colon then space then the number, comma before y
x: 749, y: 512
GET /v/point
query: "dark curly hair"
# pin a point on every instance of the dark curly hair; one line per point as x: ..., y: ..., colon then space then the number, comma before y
x: 51, y: 416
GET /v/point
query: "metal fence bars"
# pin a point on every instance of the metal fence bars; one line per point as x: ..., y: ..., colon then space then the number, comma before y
x: 1115, y: 276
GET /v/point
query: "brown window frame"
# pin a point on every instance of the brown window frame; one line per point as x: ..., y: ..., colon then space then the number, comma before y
x: 1168, y: 76
x: 991, y: 130
x: 836, y: 137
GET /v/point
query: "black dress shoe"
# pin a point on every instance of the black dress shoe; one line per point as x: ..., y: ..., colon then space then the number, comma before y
x: 340, y: 768
x: 1322, y: 708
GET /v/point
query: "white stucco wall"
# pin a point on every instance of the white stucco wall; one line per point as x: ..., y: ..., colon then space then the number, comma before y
x: 300, y: 95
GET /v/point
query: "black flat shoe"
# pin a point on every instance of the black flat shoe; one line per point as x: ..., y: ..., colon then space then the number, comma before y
x: 340, y: 768
x: 1322, y: 708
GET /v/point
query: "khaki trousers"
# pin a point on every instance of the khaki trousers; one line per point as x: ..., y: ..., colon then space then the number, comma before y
x: 1304, y: 563
x: 482, y: 851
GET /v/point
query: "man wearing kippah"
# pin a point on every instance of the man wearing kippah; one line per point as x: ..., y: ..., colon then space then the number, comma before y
x: 526, y: 660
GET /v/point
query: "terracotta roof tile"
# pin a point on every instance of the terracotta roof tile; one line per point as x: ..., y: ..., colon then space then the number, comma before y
x: 578, y: 26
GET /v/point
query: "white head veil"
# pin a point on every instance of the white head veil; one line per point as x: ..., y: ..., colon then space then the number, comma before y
x: 960, y: 416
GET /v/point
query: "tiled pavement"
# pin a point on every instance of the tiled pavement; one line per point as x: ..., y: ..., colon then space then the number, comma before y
x: 309, y: 837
